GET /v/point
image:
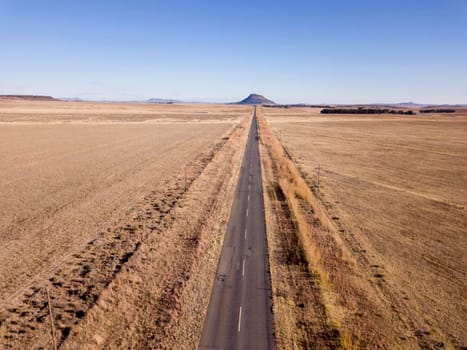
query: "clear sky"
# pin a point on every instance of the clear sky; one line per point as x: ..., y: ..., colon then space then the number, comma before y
x: 315, y: 51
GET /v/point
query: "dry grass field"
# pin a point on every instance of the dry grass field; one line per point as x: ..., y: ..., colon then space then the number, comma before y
x: 85, y: 112
x: 100, y: 200
x: 396, y: 191
x: 75, y: 176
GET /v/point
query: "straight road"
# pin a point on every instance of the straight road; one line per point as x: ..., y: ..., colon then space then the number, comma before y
x: 240, y: 309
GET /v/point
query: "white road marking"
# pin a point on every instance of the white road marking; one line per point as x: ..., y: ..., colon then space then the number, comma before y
x: 248, y: 197
x: 246, y: 211
x: 243, y: 268
x: 245, y: 233
x: 240, y: 319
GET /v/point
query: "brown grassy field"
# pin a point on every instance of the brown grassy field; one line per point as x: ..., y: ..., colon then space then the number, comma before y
x: 395, y: 188
x: 79, y: 112
x: 76, y: 176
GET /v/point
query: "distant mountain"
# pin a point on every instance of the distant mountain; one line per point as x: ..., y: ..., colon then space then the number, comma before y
x: 446, y: 105
x: 28, y: 97
x: 71, y: 99
x: 386, y: 105
x: 407, y: 104
x: 255, y: 99
x: 413, y: 105
x: 162, y: 101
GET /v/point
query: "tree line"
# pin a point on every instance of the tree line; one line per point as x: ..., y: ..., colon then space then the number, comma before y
x: 361, y: 110
x: 440, y: 110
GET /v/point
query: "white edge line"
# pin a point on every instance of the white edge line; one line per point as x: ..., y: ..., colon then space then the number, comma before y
x: 240, y: 319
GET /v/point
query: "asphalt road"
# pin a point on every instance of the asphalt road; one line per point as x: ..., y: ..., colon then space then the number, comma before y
x: 240, y: 310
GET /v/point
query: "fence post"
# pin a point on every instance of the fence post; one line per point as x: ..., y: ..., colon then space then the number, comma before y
x: 52, y: 325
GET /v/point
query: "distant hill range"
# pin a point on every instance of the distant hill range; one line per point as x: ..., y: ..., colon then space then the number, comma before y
x: 407, y: 105
x: 255, y: 99
x: 162, y: 101
x: 252, y: 99
x: 28, y: 97
x: 71, y: 99
x: 402, y: 105
x: 445, y: 106
x: 417, y: 105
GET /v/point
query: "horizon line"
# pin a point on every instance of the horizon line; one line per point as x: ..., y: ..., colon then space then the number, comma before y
x: 211, y: 101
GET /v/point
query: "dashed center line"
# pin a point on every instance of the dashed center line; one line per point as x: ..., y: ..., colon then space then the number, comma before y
x: 246, y: 211
x: 243, y: 268
x: 240, y: 319
x: 245, y: 233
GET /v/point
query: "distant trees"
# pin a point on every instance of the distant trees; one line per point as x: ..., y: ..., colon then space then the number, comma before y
x: 276, y: 106
x: 361, y: 110
x: 439, y: 110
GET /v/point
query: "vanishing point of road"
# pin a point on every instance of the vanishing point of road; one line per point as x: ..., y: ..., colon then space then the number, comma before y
x: 240, y: 308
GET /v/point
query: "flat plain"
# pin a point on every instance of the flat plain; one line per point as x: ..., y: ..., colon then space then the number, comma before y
x: 100, y: 200
x: 396, y: 187
x: 70, y: 171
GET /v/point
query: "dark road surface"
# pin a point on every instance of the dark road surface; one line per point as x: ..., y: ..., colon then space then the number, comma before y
x: 239, y: 314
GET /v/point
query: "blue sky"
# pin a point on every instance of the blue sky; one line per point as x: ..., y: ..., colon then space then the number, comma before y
x: 316, y: 51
